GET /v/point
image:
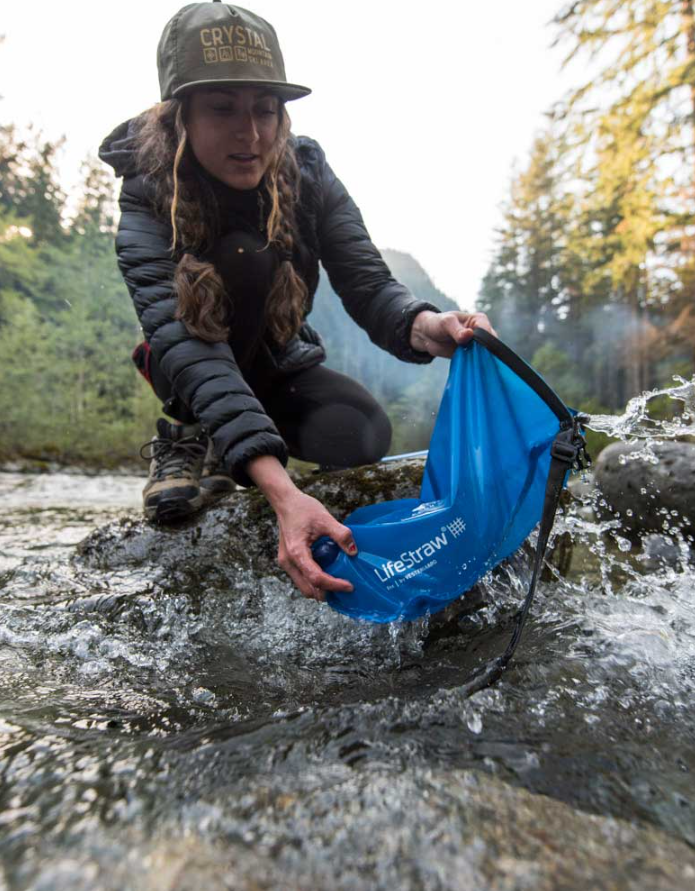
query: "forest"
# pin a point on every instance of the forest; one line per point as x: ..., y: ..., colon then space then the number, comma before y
x: 592, y: 277
x: 593, y: 272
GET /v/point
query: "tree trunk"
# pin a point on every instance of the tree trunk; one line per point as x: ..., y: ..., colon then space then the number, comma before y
x: 689, y: 31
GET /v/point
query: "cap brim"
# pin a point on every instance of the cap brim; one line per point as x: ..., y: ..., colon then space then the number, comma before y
x: 285, y: 91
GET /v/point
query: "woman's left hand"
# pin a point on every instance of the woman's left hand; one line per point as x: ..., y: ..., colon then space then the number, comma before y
x: 439, y: 333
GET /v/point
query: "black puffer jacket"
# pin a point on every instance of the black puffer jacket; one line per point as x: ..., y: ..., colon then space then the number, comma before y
x: 206, y: 375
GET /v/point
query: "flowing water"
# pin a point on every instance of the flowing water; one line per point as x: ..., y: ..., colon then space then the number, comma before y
x: 154, y: 735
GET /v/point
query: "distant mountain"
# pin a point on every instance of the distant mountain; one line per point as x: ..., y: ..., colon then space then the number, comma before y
x: 409, y: 392
x: 407, y: 270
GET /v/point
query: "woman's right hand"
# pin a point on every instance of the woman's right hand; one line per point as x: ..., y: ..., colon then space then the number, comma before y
x: 301, y: 520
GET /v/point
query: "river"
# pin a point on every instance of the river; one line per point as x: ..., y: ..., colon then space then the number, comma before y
x: 157, y: 735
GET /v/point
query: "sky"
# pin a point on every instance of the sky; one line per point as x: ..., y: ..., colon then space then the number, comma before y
x: 423, y: 109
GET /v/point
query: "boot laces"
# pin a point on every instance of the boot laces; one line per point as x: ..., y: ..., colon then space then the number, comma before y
x: 173, y: 458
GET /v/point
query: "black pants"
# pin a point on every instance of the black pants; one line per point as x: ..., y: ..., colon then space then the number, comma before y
x: 323, y: 416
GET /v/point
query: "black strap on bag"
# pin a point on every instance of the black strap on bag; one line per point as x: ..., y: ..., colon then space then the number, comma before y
x: 567, y: 452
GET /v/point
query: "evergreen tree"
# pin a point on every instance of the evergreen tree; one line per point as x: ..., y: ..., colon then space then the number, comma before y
x: 522, y: 289
x: 639, y: 147
x: 635, y: 161
x: 29, y: 188
x: 12, y: 180
x: 44, y: 200
x: 643, y: 53
x: 95, y: 214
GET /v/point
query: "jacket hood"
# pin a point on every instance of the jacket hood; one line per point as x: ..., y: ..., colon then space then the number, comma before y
x: 118, y: 149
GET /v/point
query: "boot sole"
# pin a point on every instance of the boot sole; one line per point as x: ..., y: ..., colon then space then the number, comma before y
x: 170, y: 510
x: 212, y: 495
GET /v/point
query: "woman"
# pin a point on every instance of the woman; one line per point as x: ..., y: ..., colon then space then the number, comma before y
x: 225, y: 216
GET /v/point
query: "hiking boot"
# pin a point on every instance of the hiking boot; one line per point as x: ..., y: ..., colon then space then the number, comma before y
x: 177, y: 454
x: 214, y: 481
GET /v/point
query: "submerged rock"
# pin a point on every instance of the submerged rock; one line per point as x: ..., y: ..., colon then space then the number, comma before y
x: 648, y: 495
x: 660, y: 551
x: 428, y: 829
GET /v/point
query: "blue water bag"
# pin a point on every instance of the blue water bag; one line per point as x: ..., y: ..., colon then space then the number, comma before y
x: 482, y: 492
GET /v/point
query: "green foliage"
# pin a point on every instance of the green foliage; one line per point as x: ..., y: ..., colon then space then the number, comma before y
x: 635, y: 154
x: 29, y: 188
x: 69, y: 391
x: 96, y: 210
x: 558, y: 369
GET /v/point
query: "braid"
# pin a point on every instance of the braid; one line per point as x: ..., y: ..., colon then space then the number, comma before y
x: 202, y: 304
x: 288, y: 294
x: 180, y: 149
x: 164, y: 156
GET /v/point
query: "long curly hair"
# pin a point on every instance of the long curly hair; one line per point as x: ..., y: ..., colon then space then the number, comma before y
x: 184, y: 196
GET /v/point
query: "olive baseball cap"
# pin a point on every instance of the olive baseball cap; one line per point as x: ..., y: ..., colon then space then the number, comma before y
x: 206, y: 44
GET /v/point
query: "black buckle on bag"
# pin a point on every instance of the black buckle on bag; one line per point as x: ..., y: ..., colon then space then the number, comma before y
x: 583, y: 459
x: 569, y: 446
x: 564, y: 448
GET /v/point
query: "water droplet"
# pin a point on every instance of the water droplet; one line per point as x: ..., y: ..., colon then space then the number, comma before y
x: 474, y: 723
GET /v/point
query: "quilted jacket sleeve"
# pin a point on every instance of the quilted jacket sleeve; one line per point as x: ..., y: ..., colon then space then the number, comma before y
x: 205, y: 375
x: 378, y: 303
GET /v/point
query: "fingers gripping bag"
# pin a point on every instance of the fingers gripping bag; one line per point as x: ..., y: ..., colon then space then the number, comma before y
x: 483, y: 491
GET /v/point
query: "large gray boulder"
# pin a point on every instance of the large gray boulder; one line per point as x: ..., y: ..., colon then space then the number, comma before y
x: 650, y: 491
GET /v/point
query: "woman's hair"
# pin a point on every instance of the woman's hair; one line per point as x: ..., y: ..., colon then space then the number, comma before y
x: 185, y: 196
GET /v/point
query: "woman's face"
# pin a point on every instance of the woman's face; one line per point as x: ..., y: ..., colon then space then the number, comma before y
x: 233, y: 131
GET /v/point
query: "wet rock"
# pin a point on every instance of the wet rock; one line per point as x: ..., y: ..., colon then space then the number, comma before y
x: 647, y: 496
x: 429, y: 829
x: 660, y: 551
x: 460, y: 830
x: 234, y: 544
x: 241, y: 530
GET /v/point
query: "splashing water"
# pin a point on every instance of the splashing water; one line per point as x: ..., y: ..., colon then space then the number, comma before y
x: 636, y: 424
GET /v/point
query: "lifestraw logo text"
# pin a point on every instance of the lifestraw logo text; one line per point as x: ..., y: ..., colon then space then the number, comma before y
x: 408, y: 559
